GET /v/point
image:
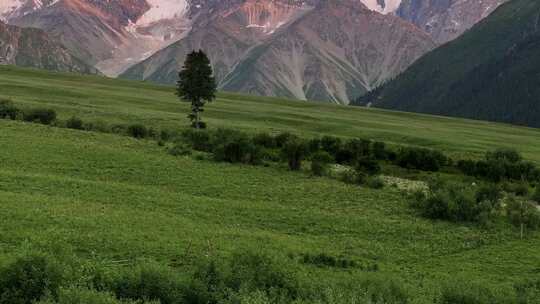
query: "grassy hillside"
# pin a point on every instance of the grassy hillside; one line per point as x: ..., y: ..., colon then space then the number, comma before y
x: 117, y: 101
x: 115, y: 198
x: 490, y: 73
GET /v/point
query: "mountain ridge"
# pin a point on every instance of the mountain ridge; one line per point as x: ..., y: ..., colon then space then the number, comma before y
x: 28, y: 47
x: 491, y: 73
x: 149, y: 39
x: 326, y: 55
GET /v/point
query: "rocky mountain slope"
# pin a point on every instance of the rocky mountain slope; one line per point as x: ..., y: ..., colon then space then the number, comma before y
x: 446, y: 20
x: 34, y: 48
x: 322, y: 50
x: 335, y: 52
x: 226, y: 31
x: 307, y: 49
x: 492, y: 72
x: 108, y: 34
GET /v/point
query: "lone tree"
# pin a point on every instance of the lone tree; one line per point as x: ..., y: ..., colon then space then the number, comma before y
x: 196, y: 85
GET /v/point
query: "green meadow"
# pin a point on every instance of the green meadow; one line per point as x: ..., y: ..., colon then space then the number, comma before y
x: 118, y: 101
x: 114, y: 198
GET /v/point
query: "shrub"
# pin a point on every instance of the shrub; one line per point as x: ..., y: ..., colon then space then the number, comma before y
x: 137, y: 131
x: 379, y: 150
x: 372, y: 289
x: 519, y: 188
x: 153, y: 133
x: 351, y: 151
x: 345, y: 156
x: 253, y: 271
x: 314, y: 145
x: 524, y: 213
x: 83, y: 296
x: 528, y: 291
x: 294, y: 151
x: 282, y: 138
x: 8, y: 109
x: 207, y: 285
x: 165, y: 135
x: 490, y: 192
x: 501, y: 165
x: 198, y: 139
x: 29, y: 279
x: 325, y: 260
x: 202, y: 125
x: 352, y: 177
x: 467, y: 166
x: 368, y: 165
x: 180, y: 149
x: 536, y: 196
x: 319, y: 163
x: 223, y: 136
x: 235, y: 147
x: 40, y: 115
x: 421, y: 159
x: 101, y: 126
x: 265, y: 140
x: 239, y: 151
x: 466, y: 293
x: 375, y: 183
x: 380, y: 289
x: 148, y: 282
x: 456, y: 203
x: 75, y: 123
x: 504, y: 155
x: 331, y: 144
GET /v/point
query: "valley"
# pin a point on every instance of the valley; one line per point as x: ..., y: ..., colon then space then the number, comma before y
x: 258, y: 152
x: 113, y: 198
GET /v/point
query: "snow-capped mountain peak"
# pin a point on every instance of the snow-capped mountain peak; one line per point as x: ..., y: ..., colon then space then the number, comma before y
x: 7, y: 7
x: 16, y: 8
x: 382, y: 6
x: 163, y: 9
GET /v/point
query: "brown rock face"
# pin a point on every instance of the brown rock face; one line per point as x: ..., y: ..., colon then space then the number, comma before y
x: 103, y: 33
x: 226, y: 31
x: 33, y: 48
x: 328, y: 51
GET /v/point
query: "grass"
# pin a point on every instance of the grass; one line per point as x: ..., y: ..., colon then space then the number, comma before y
x: 114, y: 198
x: 98, y: 98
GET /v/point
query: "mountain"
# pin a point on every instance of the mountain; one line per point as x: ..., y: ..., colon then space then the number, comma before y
x: 270, y: 47
x: 446, y: 20
x: 492, y: 72
x: 33, y: 48
x: 321, y: 50
x: 108, y: 34
x: 226, y: 31
x: 335, y: 52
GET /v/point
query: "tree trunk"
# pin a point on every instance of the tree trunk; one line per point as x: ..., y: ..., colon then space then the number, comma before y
x: 197, y: 118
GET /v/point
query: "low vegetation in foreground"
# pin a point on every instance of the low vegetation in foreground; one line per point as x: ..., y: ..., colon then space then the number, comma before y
x: 116, y: 209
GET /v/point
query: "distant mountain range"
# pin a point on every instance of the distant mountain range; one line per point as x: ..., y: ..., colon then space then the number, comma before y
x: 33, y: 48
x: 308, y: 49
x: 326, y: 51
x: 491, y: 73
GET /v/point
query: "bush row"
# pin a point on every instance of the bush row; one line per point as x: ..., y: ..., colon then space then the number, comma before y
x: 40, y: 279
x: 458, y: 203
x: 463, y: 203
x: 499, y: 165
x: 246, y: 278
x: 49, y: 117
x: 39, y: 115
